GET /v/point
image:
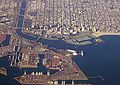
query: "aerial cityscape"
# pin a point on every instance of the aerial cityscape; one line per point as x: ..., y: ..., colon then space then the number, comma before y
x: 59, y: 42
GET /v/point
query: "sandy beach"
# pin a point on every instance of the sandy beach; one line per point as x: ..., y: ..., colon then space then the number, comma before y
x: 98, y: 34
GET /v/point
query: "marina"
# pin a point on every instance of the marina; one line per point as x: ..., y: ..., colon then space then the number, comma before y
x: 29, y: 55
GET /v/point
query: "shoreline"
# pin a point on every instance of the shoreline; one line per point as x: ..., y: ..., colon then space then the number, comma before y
x: 98, y: 34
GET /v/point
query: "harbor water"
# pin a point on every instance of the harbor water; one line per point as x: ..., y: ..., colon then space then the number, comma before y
x: 98, y: 60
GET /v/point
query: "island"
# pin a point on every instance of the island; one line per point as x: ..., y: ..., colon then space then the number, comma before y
x: 3, y: 71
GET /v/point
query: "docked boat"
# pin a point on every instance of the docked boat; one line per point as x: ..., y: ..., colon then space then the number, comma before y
x: 82, y: 53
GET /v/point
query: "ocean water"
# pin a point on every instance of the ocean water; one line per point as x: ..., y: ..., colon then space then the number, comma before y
x: 99, y: 60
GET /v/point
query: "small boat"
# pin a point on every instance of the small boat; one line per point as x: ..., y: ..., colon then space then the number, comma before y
x: 82, y: 53
x: 11, y: 64
x: 9, y: 58
x: 25, y: 72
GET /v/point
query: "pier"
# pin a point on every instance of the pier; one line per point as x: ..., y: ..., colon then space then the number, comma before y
x: 37, y: 78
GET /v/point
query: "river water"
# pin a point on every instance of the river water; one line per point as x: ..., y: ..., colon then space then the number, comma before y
x: 99, y: 60
x: 102, y: 59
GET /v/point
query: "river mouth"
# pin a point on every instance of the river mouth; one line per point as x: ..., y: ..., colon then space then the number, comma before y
x: 104, y: 58
x: 100, y: 59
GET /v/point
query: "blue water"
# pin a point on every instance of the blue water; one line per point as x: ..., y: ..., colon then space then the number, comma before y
x: 102, y: 59
x: 6, y: 41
